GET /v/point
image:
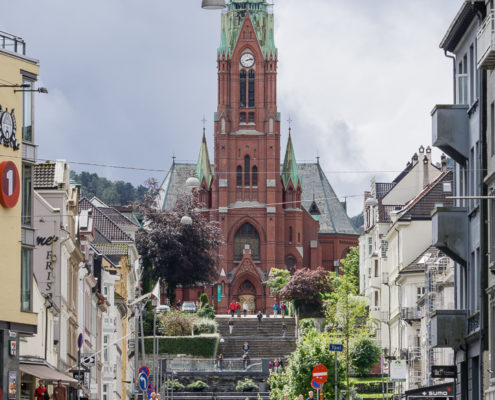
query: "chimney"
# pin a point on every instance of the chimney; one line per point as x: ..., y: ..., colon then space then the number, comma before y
x: 443, y: 159
x: 426, y: 172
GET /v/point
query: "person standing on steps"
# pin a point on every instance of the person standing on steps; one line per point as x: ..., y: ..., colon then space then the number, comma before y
x: 260, y: 317
x: 245, y: 309
x: 283, y: 307
x: 245, y: 348
x: 310, y: 394
x: 232, y: 308
x: 231, y: 325
x: 238, y: 308
x: 275, y: 309
x: 284, y: 329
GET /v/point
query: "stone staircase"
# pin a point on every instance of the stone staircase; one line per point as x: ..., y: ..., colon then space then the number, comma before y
x: 220, y: 396
x: 264, y: 342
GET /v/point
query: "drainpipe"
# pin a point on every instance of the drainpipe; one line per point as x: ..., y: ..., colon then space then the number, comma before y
x: 47, y: 307
x: 452, y: 56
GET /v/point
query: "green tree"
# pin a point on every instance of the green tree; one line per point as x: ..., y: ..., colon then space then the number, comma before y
x: 350, y: 266
x: 277, y: 280
x: 365, y: 355
x: 311, y: 350
x: 347, y: 315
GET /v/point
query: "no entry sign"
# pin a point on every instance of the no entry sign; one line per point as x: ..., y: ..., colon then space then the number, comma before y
x: 320, y: 374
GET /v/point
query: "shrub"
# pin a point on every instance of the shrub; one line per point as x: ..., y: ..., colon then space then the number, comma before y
x: 197, y: 386
x: 306, y: 325
x: 207, y: 312
x: 175, y: 385
x: 204, y: 301
x: 365, y: 355
x: 204, y: 325
x: 247, y: 385
x: 200, y: 346
x: 176, y: 323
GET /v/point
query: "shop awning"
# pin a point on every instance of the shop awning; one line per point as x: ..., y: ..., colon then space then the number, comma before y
x: 46, y: 373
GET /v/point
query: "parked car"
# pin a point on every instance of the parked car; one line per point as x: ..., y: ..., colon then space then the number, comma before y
x: 162, y: 308
x: 189, y: 306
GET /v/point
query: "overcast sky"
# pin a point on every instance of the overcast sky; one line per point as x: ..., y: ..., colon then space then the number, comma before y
x: 129, y: 81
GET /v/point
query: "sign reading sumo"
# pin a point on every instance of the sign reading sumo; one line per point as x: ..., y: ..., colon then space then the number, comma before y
x: 9, y: 184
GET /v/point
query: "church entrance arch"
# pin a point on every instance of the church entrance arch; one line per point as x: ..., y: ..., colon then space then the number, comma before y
x: 248, y: 291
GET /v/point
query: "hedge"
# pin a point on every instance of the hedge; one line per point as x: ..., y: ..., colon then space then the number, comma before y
x: 201, y: 346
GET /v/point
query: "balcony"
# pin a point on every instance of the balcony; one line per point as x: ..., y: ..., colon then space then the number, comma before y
x: 410, y: 314
x: 450, y: 232
x: 450, y: 127
x: 12, y: 43
x: 448, y: 328
x: 485, y: 40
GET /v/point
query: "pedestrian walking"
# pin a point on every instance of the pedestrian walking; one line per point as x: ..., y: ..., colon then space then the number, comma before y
x: 310, y: 394
x: 284, y: 309
x: 281, y: 365
x: 232, y: 308
x: 275, y: 309
x: 260, y: 317
x: 238, y: 308
x: 270, y: 365
x: 245, y: 309
x: 39, y: 393
x: 245, y: 348
x: 245, y: 360
x: 220, y: 362
x: 231, y: 325
x: 275, y: 365
x: 301, y: 397
x: 284, y: 329
x: 59, y: 391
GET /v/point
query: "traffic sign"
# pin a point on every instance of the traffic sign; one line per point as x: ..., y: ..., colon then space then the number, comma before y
x: 79, y: 341
x: 88, y: 360
x: 144, y: 370
x: 336, y: 347
x: 143, y: 381
x: 320, y: 374
x: 315, y: 385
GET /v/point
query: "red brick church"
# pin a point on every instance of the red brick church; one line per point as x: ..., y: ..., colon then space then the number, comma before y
x: 273, y: 214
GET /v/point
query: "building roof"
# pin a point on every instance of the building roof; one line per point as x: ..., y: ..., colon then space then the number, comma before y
x: 290, y: 171
x: 424, y: 203
x: 203, y: 166
x: 460, y: 24
x: 104, y: 223
x: 333, y: 216
x: 44, y: 176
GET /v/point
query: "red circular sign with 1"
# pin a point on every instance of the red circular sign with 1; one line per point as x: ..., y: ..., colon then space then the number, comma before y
x: 320, y: 374
x: 10, y: 184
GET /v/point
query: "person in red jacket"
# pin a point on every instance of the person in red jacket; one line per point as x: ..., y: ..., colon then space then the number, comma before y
x: 232, y: 308
x: 39, y: 393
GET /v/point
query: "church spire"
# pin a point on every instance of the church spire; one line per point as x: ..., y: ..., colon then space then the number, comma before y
x: 203, y: 167
x: 290, y: 172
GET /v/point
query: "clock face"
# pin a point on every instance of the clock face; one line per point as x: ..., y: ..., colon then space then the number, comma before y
x: 247, y: 60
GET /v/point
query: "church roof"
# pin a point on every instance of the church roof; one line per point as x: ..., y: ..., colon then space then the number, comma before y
x: 333, y: 217
x: 203, y: 167
x: 261, y: 18
x: 290, y: 171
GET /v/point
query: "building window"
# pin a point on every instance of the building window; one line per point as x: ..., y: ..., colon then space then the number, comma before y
x: 223, y: 289
x: 471, y: 74
x: 247, y: 170
x: 26, y: 278
x: 27, y: 195
x: 242, y: 117
x: 27, y: 112
x: 291, y: 263
x: 462, y: 82
x: 242, y: 89
x: 251, y: 89
x: 246, y: 234
x: 290, y: 234
x: 251, y: 117
x: 377, y: 302
x: 370, y: 246
x: 239, y: 176
x: 255, y: 175
x: 376, y: 269
x: 105, y: 348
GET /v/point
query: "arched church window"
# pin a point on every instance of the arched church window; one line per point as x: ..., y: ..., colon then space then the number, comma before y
x: 246, y: 234
x: 247, y: 170
x: 255, y: 175
x: 242, y: 90
x: 291, y: 263
x: 251, y: 89
x: 239, y: 176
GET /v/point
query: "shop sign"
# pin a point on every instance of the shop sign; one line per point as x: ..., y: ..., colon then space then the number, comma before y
x: 12, y: 348
x: 8, y: 127
x: 12, y: 384
x: 398, y: 370
x: 10, y: 185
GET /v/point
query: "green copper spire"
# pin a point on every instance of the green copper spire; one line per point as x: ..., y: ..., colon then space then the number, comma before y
x: 290, y: 172
x: 203, y: 167
x: 261, y: 18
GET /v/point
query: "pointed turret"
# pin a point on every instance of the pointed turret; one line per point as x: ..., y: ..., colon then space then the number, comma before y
x: 290, y: 172
x: 203, y: 167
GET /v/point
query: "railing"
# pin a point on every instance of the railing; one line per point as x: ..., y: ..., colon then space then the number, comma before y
x: 12, y: 43
x: 213, y: 365
x: 410, y: 313
x: 474, y: 323
x: 485, y: 42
